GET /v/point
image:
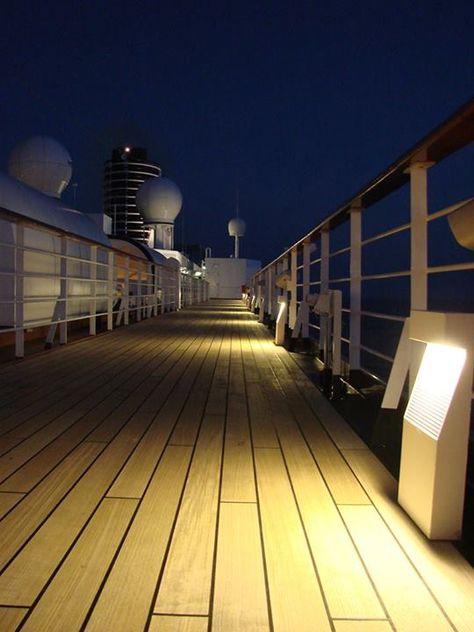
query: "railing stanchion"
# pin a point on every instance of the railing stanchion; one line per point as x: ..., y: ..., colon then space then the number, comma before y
x: 355, y: 286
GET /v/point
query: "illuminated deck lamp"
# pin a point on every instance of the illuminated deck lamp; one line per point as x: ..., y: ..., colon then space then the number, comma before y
x: 436, y: 425
x: 281, y: 321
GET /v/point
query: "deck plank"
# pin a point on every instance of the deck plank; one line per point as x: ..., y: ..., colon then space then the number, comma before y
x: 238, y: 479
x: 134, y: 477
x: 160, y: 623
x: 345, y: 583
x: 187, y: 427
x: 7, y: 501
x: 186, y: 584
x: 125, y: 601
x: 449, y: 576
x: 65, y: 603
x: 295, y: 597
x: 285, y: 405
x: 10, y: 618
x: 28, y: 515
x: 409, y: 603
x: 240, y: 602
x: 28, y: 573
x: 362, y: 626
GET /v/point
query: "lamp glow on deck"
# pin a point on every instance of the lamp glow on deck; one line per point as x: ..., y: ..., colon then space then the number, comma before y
x: 434, y: 388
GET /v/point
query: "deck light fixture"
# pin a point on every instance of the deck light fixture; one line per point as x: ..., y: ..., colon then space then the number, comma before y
x: 436, y: 424
x: 281, y: 321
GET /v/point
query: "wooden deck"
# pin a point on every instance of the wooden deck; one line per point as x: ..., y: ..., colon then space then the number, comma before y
x: 183, y: 475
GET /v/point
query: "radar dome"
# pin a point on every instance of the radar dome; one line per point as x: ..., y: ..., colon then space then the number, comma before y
x: 159, y: 200
x: 236, y: 227
x: 42, y: 163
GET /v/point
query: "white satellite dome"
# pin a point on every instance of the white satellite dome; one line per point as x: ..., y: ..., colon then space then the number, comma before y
x: 42, y: 163
x: 159, y: 200
x: 236, y: 227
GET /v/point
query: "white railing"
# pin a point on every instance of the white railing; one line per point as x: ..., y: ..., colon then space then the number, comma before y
x: 49, y: 279
x: 386, y: 251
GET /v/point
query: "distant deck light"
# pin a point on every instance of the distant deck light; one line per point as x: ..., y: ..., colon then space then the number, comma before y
x: 436, y: 425
x: 281, y: 321
x: 127, y: 149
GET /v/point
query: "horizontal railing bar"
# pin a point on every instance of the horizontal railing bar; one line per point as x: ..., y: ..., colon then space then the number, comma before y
x: 386, y: 233
x: 383, y: 316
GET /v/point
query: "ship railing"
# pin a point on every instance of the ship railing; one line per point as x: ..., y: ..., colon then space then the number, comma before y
x: 389, y: 250
x: 52, y: 282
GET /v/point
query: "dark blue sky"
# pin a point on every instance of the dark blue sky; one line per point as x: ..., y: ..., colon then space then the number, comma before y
x: 302, y: 103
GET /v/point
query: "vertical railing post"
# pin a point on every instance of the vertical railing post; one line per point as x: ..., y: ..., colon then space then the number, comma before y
x: 324, y: 287
x: 93, y: 291
x: 155, y: 289
x: 126, y: 292
x: 306, y: 286
x: 419, y: 238
x: 270, y: 291
x: 355, y: 286
x: 63, y: 292
x: 418, y: 252
x: 293, y: 281
x: 110, y: 289
x: 274, y: 306
x: 138, y: 302
x: 19, y: 309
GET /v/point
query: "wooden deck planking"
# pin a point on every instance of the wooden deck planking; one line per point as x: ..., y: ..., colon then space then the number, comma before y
x: 58, y: 391
x: 10, y: 618
x: 238, y: 478
x: 196, y: 408
x: 240, y: 601
x: 126, y: 598
x: 285, y: 406
x: 135, y: 475
x: 262, y: 428
x: 407, y: 600
x: 7, y: 501
x: 28, y: 515
x: 160, y: 623
x: 56, y: 416
x: 447, y: 574
x: 347, y: 587
x: 65, y: 603
x: 295, y: 594
x: 362, y: 626
x: 186, y: 584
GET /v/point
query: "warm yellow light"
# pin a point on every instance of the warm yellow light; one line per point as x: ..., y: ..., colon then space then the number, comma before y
x: 434, y: 388
x: 281, y: 310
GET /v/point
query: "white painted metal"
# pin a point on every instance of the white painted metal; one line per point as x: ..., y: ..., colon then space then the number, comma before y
x: 19, y: 291
x: 110, y: 289
x: 433, y: 464
x: 324, y: 286
x: 63, y: 292
x: 93, y: 289
x: 306, y: 279
x: 355, y: 286
x: 399, y: 370
x: 293, y: 305
x: 418, y: 251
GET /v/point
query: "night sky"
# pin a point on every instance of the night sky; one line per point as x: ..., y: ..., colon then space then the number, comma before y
x: 299, y: 103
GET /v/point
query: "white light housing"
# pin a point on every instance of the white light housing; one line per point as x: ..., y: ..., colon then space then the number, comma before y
x: 436, y: 424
